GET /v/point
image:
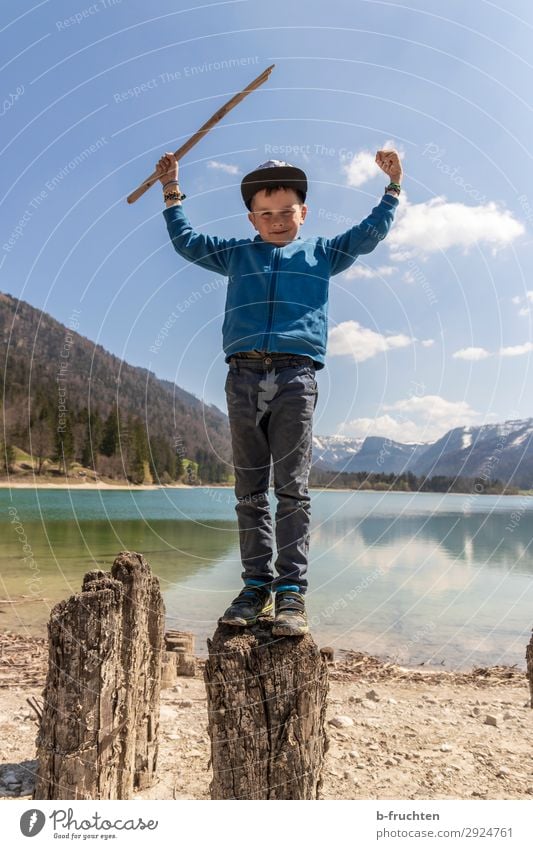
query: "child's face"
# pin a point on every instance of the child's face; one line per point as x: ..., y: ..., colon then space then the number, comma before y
x: 277, y: 218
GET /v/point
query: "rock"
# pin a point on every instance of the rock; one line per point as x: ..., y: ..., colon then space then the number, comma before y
x: 476, y: 711
x: 390, y: 762
x: 340, y: 721
x: 373, y: 696
x: 184, y: 703
x: 392, y: 701
x: 446, y: 747
x: 9, y: 777
x: 508, y: 715
x: 490, y: 719
x: 503, y: 772
x: 167, y: 712
x: 356, y: 700
x: 353, y: 753
x: 373, y: 747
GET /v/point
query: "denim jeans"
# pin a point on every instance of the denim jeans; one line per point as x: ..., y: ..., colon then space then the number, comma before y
x: 270, y: 408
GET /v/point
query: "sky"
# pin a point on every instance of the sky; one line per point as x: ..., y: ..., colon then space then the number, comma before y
x: 430, y: 331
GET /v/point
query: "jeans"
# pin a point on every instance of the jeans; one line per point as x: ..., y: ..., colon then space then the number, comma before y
x: 271, y: 401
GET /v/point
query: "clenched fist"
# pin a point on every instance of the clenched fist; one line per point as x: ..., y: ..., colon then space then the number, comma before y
x: 389, y: 162
x: 167, y: 168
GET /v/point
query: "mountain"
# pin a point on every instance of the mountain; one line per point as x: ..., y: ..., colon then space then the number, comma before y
x: 496, y: 451
x: 334, y: 452
x: 503, y: 451
x: 47, y: 366
x: 370, y: 454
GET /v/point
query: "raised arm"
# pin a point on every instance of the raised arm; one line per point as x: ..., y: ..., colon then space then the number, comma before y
x: 210, y: 252
x: 364, y: 237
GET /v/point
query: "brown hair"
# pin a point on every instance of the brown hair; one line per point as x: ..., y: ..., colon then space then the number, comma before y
x: 271, y: 189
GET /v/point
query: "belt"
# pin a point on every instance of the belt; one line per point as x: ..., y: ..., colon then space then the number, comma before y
x: 270, y: 356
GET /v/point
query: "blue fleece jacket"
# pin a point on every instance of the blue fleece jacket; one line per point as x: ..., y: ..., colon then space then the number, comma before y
x: 277, y: 297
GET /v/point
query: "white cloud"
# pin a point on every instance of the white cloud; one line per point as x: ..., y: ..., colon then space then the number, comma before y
x: 362, y: 166
x: 359, y: 270
x: 427, y: 343
x: 437, y: 225
x: 516, y: 350
x: 526, y: 300
x: 223, y: 166
x: 423, y: 418
x: 386, y: 426
x: 362, y: 343
x: 471, y: 354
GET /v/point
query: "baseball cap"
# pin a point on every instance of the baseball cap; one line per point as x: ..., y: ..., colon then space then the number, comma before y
x: 273, y: 173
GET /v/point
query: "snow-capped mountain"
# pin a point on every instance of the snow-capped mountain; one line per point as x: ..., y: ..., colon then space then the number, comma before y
x: 334, y: 452
x: 503, y: 451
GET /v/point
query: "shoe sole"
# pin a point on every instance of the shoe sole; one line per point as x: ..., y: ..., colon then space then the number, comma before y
x: 237, y: 622
x: 287, y: 631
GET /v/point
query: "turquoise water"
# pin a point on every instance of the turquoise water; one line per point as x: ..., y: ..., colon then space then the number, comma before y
x: 415, y: 577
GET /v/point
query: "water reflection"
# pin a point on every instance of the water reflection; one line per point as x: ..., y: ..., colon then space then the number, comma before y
x: 416, y: 577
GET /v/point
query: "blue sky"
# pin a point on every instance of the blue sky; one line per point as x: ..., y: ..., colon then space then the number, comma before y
x: 431, y: 331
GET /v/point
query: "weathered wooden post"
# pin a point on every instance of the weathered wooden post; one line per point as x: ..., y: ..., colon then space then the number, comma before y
x: 529, y: 662
x: 98, y: 732
x: 142, y: 646
x: 182, y: 644
x: 266, y: 699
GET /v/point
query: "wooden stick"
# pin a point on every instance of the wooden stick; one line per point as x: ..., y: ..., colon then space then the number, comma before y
x: 154, y: 177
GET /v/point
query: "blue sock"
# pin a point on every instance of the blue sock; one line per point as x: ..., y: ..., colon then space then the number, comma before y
x: 292, y: 587
x: 251, y: 582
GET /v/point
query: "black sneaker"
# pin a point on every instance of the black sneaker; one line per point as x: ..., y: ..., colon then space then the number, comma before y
x: 250, y: 604
x: 290, y: 619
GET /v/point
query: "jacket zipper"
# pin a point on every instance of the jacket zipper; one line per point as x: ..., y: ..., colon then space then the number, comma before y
x: 272, y: 295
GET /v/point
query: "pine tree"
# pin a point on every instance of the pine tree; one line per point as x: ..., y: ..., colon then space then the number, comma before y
x: 139, y: 453
x: 110, y: 435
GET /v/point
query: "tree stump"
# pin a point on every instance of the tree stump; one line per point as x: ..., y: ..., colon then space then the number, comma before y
x: 168, y: 670
x: 182, y: 643
x: 266, y: 699
x: 529, y: 661
x: 142, y: 624
x: 98, y: 732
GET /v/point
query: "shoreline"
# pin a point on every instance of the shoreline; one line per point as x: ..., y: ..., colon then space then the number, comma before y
x: 107, y: 486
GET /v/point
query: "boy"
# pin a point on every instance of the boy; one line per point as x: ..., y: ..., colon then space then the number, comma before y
x: 274, y: 339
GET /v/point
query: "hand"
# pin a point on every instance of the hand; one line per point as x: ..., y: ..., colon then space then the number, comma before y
x: 389, y: 162
x: 167, y: 168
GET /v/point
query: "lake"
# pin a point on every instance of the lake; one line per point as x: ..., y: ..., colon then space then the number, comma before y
x: 414, y: 577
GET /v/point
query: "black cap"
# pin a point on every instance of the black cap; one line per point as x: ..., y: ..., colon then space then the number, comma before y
x: 273, y: 173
